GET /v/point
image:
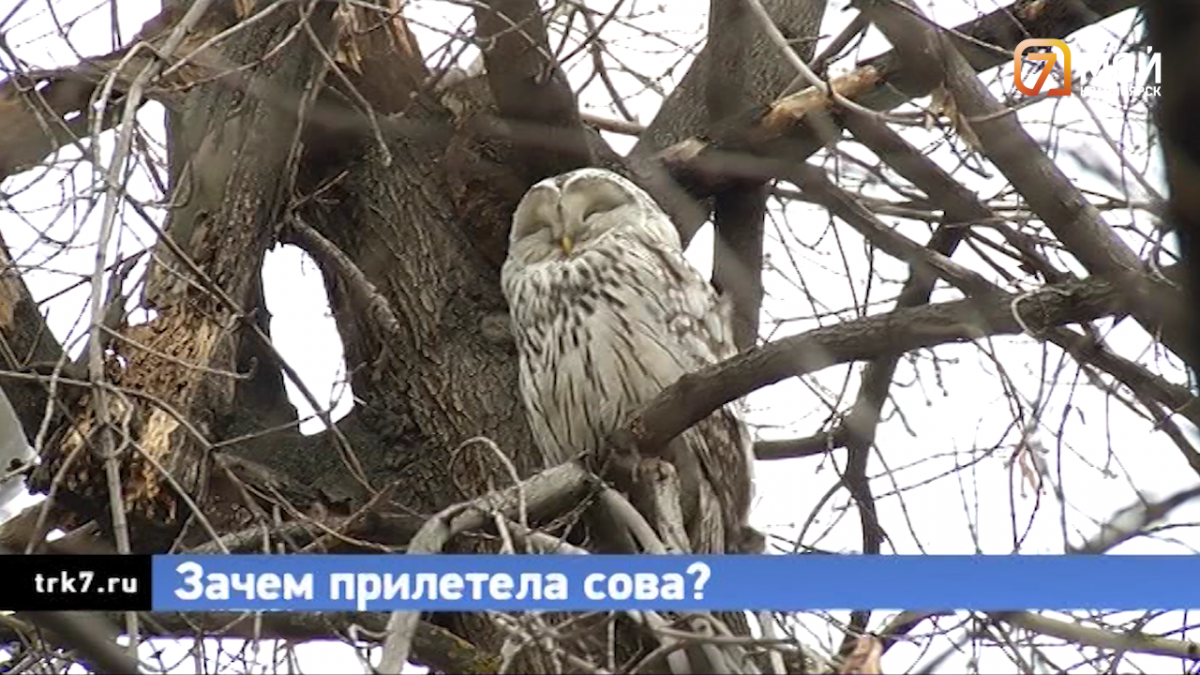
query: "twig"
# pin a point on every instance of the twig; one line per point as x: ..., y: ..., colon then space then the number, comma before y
x: 623, y: 512
x: 1100, y: 638
x: 112, y: 199
x: 789, y: 54
x: 565, y: 482
x: 1129, y: 522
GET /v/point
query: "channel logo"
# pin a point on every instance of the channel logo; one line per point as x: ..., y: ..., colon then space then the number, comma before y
x: 1051, y: 58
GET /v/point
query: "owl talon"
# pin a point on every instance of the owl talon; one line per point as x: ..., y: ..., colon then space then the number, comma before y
x: 624, y: 443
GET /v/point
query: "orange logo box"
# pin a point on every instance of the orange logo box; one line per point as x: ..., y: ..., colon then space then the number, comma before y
x: 1019, y: 53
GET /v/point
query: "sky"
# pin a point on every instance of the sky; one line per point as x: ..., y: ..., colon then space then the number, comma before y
x: 947, y: 478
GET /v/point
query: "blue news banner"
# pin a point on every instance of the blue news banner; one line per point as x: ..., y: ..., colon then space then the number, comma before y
x: 571, y: 583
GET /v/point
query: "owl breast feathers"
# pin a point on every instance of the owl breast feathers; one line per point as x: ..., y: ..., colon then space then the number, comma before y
x: 607, y: 312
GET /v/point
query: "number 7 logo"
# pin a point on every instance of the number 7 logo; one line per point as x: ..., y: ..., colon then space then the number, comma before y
x: 1051, y: 57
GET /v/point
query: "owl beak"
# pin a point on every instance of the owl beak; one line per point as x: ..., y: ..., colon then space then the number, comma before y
x: 567, y: 244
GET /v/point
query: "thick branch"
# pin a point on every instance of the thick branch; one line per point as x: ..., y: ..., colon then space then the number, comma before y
x: 92, y: 636
x: 25, y: 342
x: 556, y: 487
x: 961, y: 208
x: 528, y: 84
x: 695, y: 396
x: 1075, y: 634
x: 32, y: 122
x: 739, y: 216
x: 34, y: 106
x: 433, y: 646
x: 685, y: 112
x: 1174, y: 29
x: 740, y: 210
x: 1050, y: 193
x: 880, y: 83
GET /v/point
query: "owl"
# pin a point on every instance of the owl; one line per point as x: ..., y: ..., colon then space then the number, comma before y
x: 606, y: 313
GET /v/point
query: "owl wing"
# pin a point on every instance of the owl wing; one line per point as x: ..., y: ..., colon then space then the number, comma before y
x: 701, y: 322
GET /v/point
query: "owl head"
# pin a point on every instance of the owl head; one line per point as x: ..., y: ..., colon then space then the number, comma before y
x: 564, y: 216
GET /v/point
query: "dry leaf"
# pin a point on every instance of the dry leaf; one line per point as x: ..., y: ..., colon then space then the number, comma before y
x: 942, y: 102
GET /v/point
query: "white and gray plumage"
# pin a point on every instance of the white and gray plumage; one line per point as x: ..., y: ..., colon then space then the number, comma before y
x: 607, y: 313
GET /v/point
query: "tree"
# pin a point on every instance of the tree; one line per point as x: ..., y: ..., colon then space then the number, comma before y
x: 323, y: 125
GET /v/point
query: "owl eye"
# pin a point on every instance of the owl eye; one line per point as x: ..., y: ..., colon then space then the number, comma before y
x: 535, y: 213
x: 524, y: 227
x: 597, y: 208
x: 602, y: 198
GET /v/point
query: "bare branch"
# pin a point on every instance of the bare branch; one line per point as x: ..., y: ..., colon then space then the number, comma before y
x: 1131, y: 521
x: 961, y: 208
x: 739, y: 211
x: 1128, y: 641
x: 1173, y: 30
x: 554, y: 487
x: 1051, y: 194
x: 695, y: 396
x: 89, y: 633
x: 433, y: 646
x: 879, y: 83
x: 528, y: 84
x: 362, y: 288
x: 1131, y: 641
x: 35, y: 106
